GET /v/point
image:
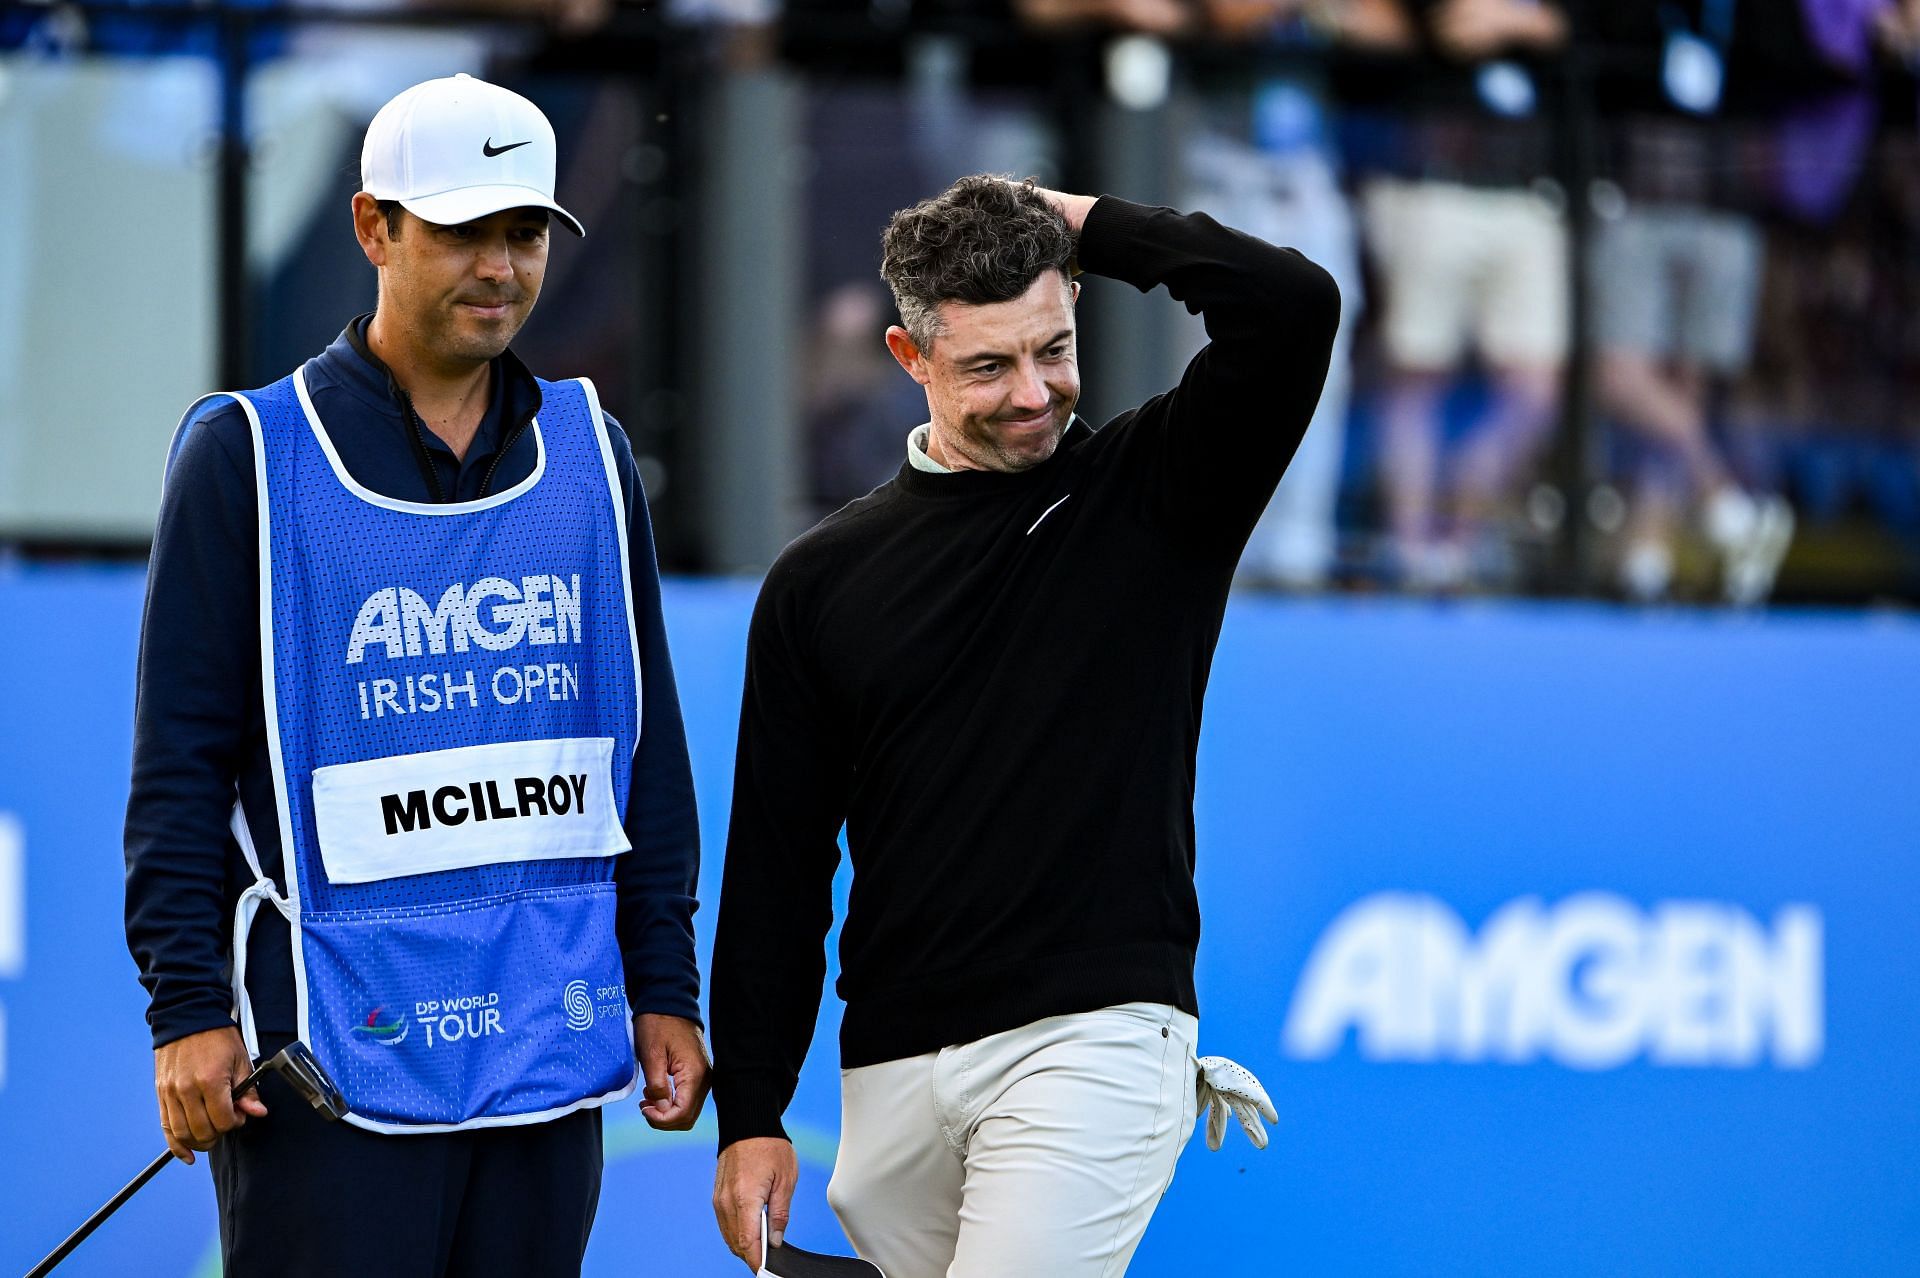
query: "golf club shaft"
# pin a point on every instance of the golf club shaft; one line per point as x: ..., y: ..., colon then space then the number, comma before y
x: 294, y: 1056
x: 93, y: 1222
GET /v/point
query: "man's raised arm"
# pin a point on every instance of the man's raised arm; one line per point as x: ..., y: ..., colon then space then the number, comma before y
x: 1218, y: 442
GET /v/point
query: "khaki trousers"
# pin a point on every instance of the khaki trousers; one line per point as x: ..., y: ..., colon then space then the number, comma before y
x: 1042, y: 1150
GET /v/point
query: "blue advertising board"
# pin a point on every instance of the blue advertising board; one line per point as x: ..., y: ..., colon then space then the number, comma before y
x: 1567, y: 939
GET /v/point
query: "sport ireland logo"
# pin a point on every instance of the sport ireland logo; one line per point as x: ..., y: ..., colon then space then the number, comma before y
x: 579, y: 1003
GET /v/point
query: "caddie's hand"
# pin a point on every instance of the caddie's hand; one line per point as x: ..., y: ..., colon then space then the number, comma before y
x: 673, y: 1060
x: 761, y: 1171
x: 194, y: 1078
x: 1229, y: 1088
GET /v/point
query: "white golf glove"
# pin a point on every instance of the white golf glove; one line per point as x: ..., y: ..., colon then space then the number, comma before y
x: 1228, y: 1088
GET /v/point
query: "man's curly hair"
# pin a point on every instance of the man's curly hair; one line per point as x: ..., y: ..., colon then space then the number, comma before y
x: 982, y: 240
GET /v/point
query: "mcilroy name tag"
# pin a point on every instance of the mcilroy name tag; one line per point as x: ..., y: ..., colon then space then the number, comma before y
x: 476, y: 805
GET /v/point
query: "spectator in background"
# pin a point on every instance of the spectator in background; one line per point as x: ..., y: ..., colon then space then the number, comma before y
x: 1675, y: 271
x: 1827, y: 403
x: 1148, y: 17
x: 1896, y: 28
x: 1467, y: 234
x: 853, y: 400
x: 1265, y: 163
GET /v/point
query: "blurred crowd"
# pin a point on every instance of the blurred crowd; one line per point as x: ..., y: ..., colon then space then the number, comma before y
x: 1685, y: 227
x: 1629, y: 283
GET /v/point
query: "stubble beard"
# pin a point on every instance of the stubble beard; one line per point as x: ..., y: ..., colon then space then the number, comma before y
x: 480, y: 342
x: 1035, y: 453
x: 978, y: 442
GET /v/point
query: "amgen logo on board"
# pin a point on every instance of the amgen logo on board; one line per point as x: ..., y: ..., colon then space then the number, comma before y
x: 1592, y: 982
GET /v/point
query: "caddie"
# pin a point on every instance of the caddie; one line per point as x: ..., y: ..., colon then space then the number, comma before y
x: 404, y: 683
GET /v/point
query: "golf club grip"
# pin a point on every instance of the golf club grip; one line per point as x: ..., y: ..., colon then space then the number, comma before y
x: 94, y: 1221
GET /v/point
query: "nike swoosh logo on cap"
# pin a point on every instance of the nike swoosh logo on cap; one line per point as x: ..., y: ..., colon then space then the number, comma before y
x: 491, y: 150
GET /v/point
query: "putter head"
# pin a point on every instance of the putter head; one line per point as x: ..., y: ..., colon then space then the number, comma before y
x: 791, y: 1262
x: 296, y: 1064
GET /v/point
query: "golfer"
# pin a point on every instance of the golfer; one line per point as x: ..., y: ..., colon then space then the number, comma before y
x: 403, y: 682
x: 991, y: 669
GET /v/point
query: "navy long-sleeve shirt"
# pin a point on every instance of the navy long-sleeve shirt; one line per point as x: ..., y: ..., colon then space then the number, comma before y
x: 200, y: 726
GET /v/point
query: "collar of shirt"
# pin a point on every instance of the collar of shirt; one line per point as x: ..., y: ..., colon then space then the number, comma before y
x: 373, y: 429
x: 917, y: 455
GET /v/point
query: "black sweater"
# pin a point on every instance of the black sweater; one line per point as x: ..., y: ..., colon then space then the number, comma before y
x: 1004, y: 712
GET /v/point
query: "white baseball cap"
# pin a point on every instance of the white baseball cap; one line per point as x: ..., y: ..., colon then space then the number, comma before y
x: 456, y: 149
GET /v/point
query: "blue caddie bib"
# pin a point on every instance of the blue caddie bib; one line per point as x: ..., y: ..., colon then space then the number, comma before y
x: 452, y: 703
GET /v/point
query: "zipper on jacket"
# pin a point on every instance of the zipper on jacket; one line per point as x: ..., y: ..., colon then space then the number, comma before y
x: 417, y: 436
x: 500, y: 453
x: 417, y: 430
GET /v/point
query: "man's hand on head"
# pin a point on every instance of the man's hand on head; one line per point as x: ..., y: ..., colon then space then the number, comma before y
x: 673, y: 1059
x: 194, y: 1078
x: 759, y: 1172
x: 1072, y: 207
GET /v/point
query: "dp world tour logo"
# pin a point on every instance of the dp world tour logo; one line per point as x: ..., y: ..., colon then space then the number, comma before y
x: 579, y: 1001
x: 390, y: 1034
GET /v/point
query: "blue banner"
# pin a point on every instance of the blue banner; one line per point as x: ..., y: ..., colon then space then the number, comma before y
x: 1568, y: 940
